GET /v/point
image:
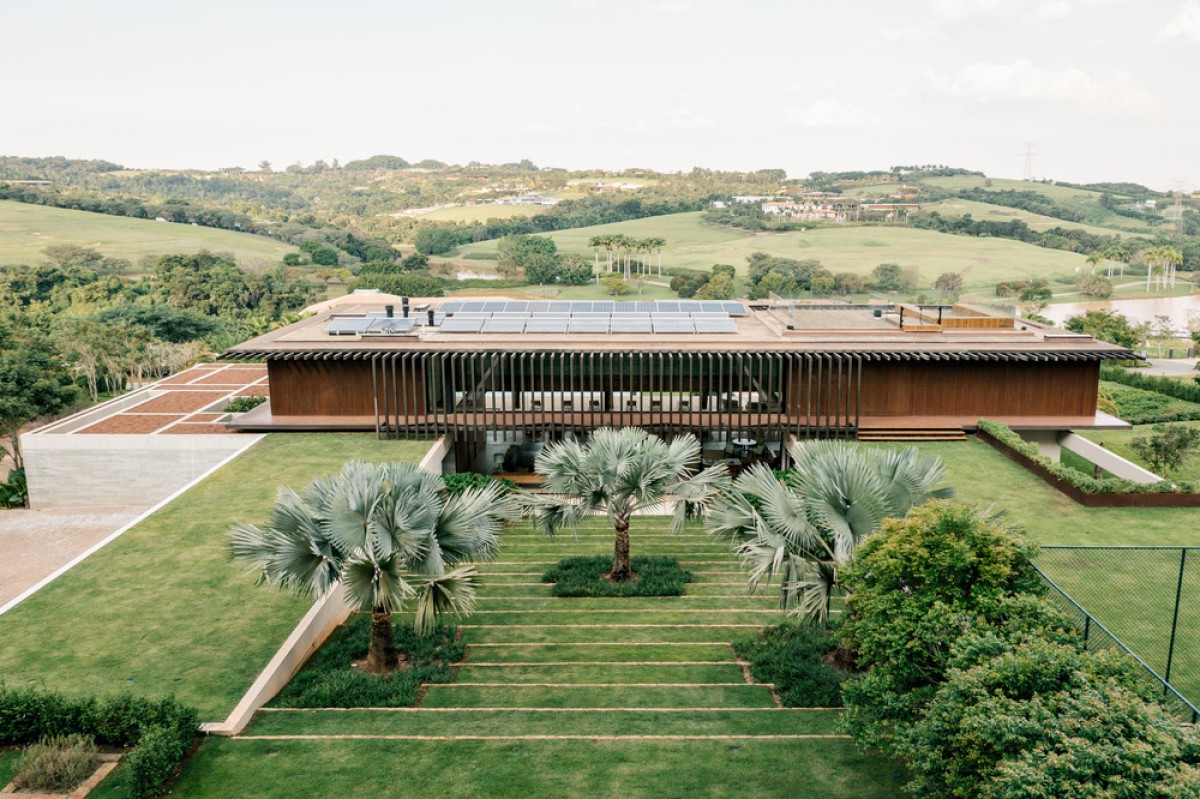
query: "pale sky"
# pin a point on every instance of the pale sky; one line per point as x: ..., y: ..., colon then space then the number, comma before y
x: 1105, y: 89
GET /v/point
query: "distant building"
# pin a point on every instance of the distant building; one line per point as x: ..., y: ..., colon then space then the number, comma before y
x: 807, y: 211
x: 746, y: 199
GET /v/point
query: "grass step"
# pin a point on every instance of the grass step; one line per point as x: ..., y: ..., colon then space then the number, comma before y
x: 598, y: 696
x: 649, y: 603
x: 521, y: 721
x: 481, y: 618
x: 604, y: 634
x: 602, y: 652
x: 606, y: 673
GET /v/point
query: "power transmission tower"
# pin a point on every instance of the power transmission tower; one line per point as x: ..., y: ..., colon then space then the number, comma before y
x: 1028, y: 174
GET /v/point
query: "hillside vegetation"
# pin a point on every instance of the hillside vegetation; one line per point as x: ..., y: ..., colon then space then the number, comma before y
x: 26, y: 230
x: 692, y: 244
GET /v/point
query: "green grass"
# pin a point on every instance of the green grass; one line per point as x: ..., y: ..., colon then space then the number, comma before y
x: 161, y: 609
x: 692, y: 244
x: 26, y: 230
x: 8, y: 765
x: 583, y: 576
x: 1119, y: 442
x: 482, y: 213
x: 629, y: 769
x: 956, y: 207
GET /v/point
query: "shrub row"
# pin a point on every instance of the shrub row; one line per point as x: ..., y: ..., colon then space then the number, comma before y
x: 986, y: 689
x: 459, y: 482
x: 1179, y: 389
x: 243, y: 404
x: 1139, y: 406
x: 329, y: 680
x: 164, y: 725
x: 792, y: 657
x: 584, y: 576
x: 1084, y: 482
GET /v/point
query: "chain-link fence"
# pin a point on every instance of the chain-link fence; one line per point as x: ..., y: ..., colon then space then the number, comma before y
x: 1142, y: 600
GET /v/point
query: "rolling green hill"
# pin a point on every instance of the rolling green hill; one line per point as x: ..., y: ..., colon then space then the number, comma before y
x: 1001, y: 213
x: 26, y: 230
x: 692, y: 244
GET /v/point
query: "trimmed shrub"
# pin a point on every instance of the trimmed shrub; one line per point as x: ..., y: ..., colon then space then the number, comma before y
x: 1179, y: 389
x: 57, y: 764
x: 792, y: 657
x: 330, y: 680
x: 584, y: 576
x: 460, y: 481
x: 243, y: 404
x: 1084, y: 482
x: 27, y: 715
x: 155, y: 760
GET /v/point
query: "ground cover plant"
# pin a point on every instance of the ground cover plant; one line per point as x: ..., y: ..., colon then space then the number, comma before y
x: 1141, y: 406
x: 329, y: 678
x: 458, y: 482
x: 243, y: 404
x: 794, y: 658
x: 585, y: 576
x: 204, y: 631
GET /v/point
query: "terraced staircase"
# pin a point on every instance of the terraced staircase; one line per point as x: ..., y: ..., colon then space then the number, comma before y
x: 542, y: 667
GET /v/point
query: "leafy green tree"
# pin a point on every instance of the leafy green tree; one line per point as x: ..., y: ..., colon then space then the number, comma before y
x: 164, y: 322
x: 293, y: 259
x: 404, y: 284
x: 719, y: 287
x: 949, y: 284
x: 33, y: 383
x: 416, y: 262
x: 886, y: 277
x: 918, y: 586
x: 1095, y: 286
x: 617, y: 472
x: 1105, y: 325
x: 1168, y: 447
x: 388, y: 533
x: 1043, y: 718
x: 434, y: 240
x: 613, y: 284
x: 803, y: 529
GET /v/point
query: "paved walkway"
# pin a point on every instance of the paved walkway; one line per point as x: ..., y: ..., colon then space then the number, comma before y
x: 33, y: 544
x: 1171, y: 367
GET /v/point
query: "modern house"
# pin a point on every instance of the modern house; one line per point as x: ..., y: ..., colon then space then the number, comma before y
x: 501, y: 376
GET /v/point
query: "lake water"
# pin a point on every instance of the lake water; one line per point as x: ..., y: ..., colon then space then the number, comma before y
x: 1138, y: 311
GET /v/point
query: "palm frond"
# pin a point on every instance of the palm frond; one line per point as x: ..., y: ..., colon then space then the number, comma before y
x: 452, y: 592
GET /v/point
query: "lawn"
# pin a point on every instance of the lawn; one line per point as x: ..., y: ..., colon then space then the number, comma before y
x: 482, y: 213
x: 161, y: 610
x: 692, y: 244
x: 26, y: 230
x: 606, y: 697
x: 1119, y: 442
x: 8, y: 765
x: 956, y: 207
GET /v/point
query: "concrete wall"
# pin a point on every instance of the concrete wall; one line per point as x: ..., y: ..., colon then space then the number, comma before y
x: 118, y: 471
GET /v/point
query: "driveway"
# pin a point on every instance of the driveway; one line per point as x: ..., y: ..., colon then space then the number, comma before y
x: 1173, y: 367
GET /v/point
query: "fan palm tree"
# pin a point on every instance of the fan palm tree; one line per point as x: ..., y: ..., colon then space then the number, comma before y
x: 387, y: 533
x: 804, y: 528
x: 618, y: 471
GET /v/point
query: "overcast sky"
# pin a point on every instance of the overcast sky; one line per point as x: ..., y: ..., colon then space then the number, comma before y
x: 1105, y: 89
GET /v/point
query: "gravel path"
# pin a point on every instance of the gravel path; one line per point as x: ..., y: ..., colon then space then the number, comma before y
x: 35, y: 543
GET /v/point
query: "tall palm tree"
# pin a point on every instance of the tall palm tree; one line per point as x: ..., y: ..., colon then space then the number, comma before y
x: 804, y: 528
x: 596, y: 242
x: 618, y: 471
x: 1094, y: 259
x: 387, y: 533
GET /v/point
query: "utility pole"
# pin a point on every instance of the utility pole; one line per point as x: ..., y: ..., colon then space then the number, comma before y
x: 1028, y: 174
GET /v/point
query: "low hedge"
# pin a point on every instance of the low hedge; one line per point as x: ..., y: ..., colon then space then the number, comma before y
x: 584, y: 576
x: 243, y: 404
x: 1179, y: 389
x: 1083, y: 482
x: 164, y: 725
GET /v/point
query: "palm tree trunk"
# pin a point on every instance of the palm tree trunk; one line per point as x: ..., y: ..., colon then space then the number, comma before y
x: 382, y: 656
x: 620, y: 569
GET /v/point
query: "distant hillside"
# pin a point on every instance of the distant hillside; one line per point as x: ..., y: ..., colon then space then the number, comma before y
x: 25, y: 230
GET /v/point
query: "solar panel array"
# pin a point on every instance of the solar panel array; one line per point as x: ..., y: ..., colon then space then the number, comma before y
x: 573, y: 307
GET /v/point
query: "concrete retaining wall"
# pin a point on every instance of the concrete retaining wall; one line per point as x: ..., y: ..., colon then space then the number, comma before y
x: 118, y: 471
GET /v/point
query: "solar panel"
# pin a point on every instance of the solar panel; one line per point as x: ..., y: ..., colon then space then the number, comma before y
x: 561, y: 306
x: 629, y: 315
x: 538, y: 306
x: 495, y: 306
x: 347, y: 326
x: 709, y: 315
x: 627, y: 324
x: 472, y: 306
x: 672, y: 325
x: 583, y: 324
x: 665, y: 306
x: 734, y: 308
x: 495, y: 325
x: 517, y: 306
x: 462, y: 324
x: 547, y: 324
x: 453, y: 306
x: 691, y: 306
x: 581, y: 307
x: 725, y: 325
x: 603, y: 306
x: 642, y: 306
x: 508, y: 315
x: 393, y: 325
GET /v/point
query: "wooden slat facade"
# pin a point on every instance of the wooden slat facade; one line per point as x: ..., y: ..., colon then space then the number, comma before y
x: 766, y: 394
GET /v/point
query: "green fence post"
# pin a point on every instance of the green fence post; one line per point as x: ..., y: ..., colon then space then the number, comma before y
x: 1175, y: 618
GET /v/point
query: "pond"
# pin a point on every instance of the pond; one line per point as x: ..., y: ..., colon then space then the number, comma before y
x: 1179, y: 309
